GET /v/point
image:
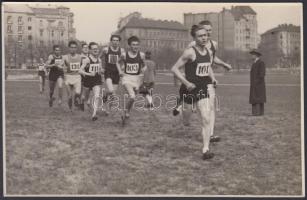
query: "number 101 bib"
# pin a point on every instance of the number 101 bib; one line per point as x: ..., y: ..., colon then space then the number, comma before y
x: 202, y: 69
x: 94, y: 68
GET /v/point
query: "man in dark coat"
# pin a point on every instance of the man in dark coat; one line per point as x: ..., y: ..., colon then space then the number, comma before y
x: 257, y: 95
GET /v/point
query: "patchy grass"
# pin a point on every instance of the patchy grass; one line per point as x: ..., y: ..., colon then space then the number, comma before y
x: 53, y: 151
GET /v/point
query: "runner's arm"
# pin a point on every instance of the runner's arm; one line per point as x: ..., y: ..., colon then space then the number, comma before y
x: 184, y: 58
x: 82, y: 71
x: 48, y: 65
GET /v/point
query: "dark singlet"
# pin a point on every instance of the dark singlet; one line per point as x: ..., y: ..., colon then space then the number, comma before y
x: 111, y: 58
x: 56, y: 61
x: 93, y: 67
x: 212, y: 48
x: 197, y: 71
x: 133, y: 66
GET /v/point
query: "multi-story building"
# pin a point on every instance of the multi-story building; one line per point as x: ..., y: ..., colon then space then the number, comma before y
x: 154, y: 34
x: 233, y: 29
x: 33, y: 27
x: 281, y: 45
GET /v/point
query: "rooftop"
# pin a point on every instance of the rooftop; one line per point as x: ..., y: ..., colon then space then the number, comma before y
x: 239, y: 11
x: 284, y: 27
x: 19, y: 8
x: 151, y: 23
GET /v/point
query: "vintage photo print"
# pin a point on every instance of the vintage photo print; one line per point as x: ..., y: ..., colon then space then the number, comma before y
x: 153, y: 99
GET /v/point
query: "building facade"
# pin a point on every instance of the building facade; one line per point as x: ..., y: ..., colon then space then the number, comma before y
x: 154, y: 34
x: 233, y: 29
x: 281, y: 46
x: 33, y: 27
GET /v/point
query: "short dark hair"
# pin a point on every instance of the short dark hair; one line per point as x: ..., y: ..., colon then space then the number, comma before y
x: 83, y: 44
x: 91, y: 44
x: 115, y: 36
x: 72, y: 42
x: 205, y: 22
x: 133, y: 39
x: 56, y: 46
x: 194, y: 29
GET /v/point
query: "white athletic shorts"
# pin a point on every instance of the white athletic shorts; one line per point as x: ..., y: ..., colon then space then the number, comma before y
x: 133, y: 80
x: 74, y: 80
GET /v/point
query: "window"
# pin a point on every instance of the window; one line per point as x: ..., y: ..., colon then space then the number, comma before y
x: 60, y: 23
x: 19, y: 19
x: 41, y: 43
x: 30, y: 37
x: 29, y: 19
x: 9, y: 19
x: 29, y: 28
x: 52, y: 33
x: 19, y: 28
x: 62, y: 33
x: 40, y: 22
x: 19, y: 38
x: 9, y: 28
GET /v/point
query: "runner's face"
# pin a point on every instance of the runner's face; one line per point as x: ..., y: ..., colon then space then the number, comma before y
x: 57, y: 51
x: 208, y: 29
x: 85, y: 49
x: 115, y: 42
x: 95, y: 50
x: 135, y: 46
x: 73, y: 49
x: 201, y: 37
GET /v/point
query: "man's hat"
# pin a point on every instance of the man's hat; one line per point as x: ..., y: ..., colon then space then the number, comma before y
x: 255, y: 52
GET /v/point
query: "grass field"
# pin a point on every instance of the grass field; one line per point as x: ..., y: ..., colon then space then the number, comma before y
x: 53, y: 151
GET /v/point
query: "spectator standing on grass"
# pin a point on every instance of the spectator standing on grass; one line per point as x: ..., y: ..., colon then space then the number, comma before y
x: 257, y: 95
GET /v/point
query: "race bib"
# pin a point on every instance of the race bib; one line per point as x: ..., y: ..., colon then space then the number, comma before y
x: 74, y: 66
x: 41, y: 68
x: 202, y: 69
x: 132, y: 68
x: 58, y: 62
x: 94, y: 68
x: 112, y: 59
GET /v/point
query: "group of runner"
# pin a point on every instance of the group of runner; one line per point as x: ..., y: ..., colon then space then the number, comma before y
x: 83, y: 73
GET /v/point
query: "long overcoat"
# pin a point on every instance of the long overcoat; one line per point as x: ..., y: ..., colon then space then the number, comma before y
x: 257, y: 83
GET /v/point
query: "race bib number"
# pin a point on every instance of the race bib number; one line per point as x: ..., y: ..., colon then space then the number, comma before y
x: 94, y: 68
x: 74, y: 66
x: 202, y: 69
x: 41, y: 68
x: 132, y: 68
x: 113, y: 59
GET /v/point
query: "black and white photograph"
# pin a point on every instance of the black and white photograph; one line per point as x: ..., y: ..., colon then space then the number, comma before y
x: 157, y: 99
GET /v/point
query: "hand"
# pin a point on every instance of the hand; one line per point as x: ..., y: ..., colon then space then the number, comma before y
x: 191, y: 86
x: 91, y: 74
x: 121, y: 74
x: 228, y: 67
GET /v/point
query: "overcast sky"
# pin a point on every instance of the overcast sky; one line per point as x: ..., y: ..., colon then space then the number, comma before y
x: 96, y: 21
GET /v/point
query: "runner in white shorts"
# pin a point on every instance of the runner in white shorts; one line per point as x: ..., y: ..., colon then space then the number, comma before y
x: 72, y: 77
x: 134, y: 67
